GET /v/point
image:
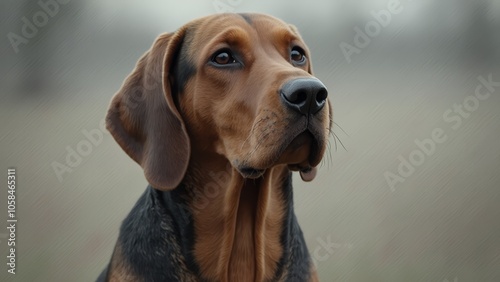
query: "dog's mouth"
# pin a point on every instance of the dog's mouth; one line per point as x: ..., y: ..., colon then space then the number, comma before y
x: 302, y: 153
x: 305, y: 142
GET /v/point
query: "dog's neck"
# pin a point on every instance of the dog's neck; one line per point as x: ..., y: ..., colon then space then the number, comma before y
x: 238, y: 223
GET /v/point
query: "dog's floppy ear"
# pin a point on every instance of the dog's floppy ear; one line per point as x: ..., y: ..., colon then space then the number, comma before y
x: 144, y: 120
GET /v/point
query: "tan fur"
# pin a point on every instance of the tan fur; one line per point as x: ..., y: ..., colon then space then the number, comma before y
x: 241, y: 226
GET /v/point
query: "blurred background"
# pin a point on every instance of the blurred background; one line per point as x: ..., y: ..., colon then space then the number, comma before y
x: 415, y: 72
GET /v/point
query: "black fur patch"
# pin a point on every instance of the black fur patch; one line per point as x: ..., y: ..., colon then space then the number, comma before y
x: 295, y: 260
x: 183, y: 67
x: 247, y: 18
x: 156, y: 236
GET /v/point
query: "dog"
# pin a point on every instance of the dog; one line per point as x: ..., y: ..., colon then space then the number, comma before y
x: 219, y: 114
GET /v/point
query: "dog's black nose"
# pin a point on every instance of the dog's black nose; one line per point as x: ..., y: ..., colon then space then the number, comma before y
x: 304, y: 95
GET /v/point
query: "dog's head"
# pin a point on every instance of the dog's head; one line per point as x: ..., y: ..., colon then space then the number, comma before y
x: 239, y: 86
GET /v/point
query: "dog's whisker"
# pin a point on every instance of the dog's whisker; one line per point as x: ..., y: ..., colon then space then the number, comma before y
x: 340, y: 141
x: 250, y: 134
x: 340, y: 128
x: 335, y: 141
x: 329, y: 152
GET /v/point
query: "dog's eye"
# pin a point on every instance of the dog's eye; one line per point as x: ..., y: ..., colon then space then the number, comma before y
x: 223, y: 57
x: 297, y: 55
